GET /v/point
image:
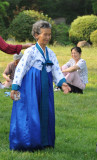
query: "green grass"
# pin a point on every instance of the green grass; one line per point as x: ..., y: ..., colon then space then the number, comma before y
x: 76, y: 116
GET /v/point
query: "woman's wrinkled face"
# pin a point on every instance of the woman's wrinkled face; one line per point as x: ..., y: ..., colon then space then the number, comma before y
x: 75, y: 55
x: 44, y: 37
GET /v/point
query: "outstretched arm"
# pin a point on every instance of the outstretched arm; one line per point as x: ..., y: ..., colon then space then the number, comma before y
x: 71, y: 69
x: 12, y: 49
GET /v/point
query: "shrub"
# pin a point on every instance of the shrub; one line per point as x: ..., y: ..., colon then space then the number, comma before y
x: 62, y: 34
x: 93, y: 38
x: 21, y: 26
x: 82, y: 27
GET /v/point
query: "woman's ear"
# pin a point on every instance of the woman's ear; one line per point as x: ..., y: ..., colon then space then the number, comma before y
x: 36, y: 36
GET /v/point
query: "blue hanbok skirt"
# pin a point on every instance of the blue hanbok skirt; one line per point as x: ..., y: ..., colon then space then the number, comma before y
x: 25, y: 125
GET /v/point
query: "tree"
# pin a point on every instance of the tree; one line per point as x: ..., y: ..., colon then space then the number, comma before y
x: 69, y: 9
x: 3, y: 15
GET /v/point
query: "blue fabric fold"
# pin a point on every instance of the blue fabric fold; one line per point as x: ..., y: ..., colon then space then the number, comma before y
x: 44, y: 105
x: 25, y: 121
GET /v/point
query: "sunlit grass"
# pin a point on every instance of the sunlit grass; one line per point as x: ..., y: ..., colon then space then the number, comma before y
x: 76, y: 116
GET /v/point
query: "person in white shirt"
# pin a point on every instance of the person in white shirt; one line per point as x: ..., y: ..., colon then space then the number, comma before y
x: 75, y: 70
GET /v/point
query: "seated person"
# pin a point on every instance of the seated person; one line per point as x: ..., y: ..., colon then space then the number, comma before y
x: 8, y: 74
x: 75, y: 71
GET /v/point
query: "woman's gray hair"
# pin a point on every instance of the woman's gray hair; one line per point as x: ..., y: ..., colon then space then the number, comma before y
x: 38, y: 25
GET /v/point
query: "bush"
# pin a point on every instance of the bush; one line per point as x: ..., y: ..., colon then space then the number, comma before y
x: 62, y: 34
x: 21, y: 26
x: 93, y: 38
x: 82, y: 27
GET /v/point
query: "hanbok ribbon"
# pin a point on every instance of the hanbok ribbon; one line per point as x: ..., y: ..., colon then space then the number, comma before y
x: 44, y: 105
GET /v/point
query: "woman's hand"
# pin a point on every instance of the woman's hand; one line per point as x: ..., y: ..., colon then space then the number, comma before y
x: 8, y: 79
x: 24, y: 46
x: 12, y: 94
x: 65, y: 88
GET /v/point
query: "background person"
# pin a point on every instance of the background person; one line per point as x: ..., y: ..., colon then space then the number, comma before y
x: 33, y: 118
x: 8, y: 74
x: 11, y: 49
x: 75, y: 71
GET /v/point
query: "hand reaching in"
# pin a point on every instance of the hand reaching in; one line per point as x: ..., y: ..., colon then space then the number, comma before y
x: 24, y: 46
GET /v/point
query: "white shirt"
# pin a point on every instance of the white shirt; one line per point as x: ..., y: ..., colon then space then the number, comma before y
x: 83, y: 72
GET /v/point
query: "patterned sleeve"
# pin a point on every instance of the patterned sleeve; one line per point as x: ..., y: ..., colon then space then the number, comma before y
x: 58, y: 76
x: 23, y: 66
x: 81, y: 63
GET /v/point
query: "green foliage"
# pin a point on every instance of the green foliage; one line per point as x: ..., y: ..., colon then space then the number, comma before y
x: 15, y: 7
x: 82, y: 27
x: 3, y: 30
x: 93, y: 38
x: 62, y: 34
x: 68, y: 9
x: 1, y: 26
x: 94, y: 6
x: 3, y: 6
x: 21, y: 26
x: 3, y: 13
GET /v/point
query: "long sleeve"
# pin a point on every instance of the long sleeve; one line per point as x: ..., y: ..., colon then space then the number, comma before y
x: 58, y: 76
x: 9, y: 48
x: 23, y: 66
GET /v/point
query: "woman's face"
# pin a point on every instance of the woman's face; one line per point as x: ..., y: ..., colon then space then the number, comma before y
x: 44, y: 37
x: 75, y: 55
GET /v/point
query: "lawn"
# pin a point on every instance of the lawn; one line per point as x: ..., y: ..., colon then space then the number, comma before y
x: 76, y: 116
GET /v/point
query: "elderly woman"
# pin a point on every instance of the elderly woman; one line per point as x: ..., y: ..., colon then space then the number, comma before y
x: 8, y: 74
x: 75, y: 71
x: 33, y: 118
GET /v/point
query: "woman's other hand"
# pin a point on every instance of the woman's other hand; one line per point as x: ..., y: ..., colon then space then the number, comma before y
x: 65, y: 88
x: 13, y: 92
